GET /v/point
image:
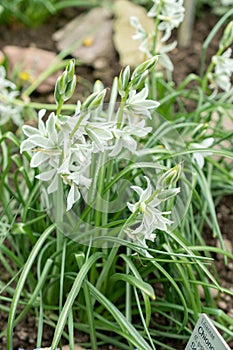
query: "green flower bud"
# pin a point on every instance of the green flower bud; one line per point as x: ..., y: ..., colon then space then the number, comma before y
x: 123, y: 81
x: 98, y: 86
x: 70, y: 70
x: 139, y: 81
x: 65, y: 84
x: 170, y: 177
x: 146, y: 65
x: 61, y: 82
x: 94, y: 100
x: 227, y: 38
x: 98, y: 99
x: 70, y: 87
x: 57, y: 95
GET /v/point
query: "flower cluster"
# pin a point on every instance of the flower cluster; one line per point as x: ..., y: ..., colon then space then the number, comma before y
x: 221, y: 77
x: 171, y: 14
x: 63, y: 146
x: 148, y: 209
x: 8, y: 92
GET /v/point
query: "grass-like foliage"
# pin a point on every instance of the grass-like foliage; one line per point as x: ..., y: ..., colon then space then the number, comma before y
x: 104, y: 203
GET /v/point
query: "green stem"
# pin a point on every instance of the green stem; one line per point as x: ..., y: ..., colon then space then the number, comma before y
x: 113, y: 252
x: 99, y: 190
x: 37, y: 105
x: 53, y: 293
x: 59, y: 107
x: 81, y: 117
x: 154, y: 51
x: 128, y: 294
x: 121, y: 110
x: 209, y: 70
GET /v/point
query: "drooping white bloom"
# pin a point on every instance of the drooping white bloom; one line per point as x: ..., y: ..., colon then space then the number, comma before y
x: 223, y: 70
x: 138, y: 102
x: 199, y: 157
x: 170, y: 13
x: 150, y: 216
x: 100, y: 134
x: 164, y: 59
x: 145, y: 45
x: 44, y: 141
x: 125, y: 137
x: 141, y: 35
x: 8, y: 92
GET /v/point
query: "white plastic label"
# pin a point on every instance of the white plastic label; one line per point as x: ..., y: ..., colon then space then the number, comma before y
x: 206, y: 337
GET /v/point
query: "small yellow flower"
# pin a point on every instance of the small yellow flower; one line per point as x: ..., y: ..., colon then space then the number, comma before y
x: 25, y: 76
x: 88, y: 41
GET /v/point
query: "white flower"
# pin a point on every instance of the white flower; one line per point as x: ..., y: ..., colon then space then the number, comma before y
x: 140, y: 35
x: 151, y: 217
x: 124, y: 137
x: 162, y: 50
x: 164, y: 59
x: 44, y: 141
x: 58, y: 154
x: 8, y: 92
x: 199, y: 157
x: 138, y: 103
x: 223, y: 70
x: 99, y: 133
x: 77, y: 179
x: 170, y: 13
x: 5, y: 83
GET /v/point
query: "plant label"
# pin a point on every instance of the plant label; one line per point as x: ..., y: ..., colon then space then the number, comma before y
x: 206, y: 337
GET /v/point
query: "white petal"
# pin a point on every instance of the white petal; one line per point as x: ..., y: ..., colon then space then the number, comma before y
x: 132, y: 207
x: 73, y: 196
x: 207, y: 142
x: 198, y: 157
x: 30, y: 130
x: 46, y: 175
x: 54, y: 185
x: 27, y: 145
x: 38, y: 158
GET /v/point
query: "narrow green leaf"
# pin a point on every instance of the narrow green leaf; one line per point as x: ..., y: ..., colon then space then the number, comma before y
x: 134, y: 281
x: 21, y: 282
x: 71, y: 297
x: 130, y: 333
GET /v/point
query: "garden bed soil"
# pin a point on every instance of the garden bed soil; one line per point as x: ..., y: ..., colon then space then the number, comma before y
x: 185, y: 60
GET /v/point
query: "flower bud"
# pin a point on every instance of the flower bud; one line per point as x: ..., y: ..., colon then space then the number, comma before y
x: 70, y: 87
x: 139, y: 81
x: 65, y: 84
x: 94, y: 100
x: 123, y: 81
x: 98, y: 99
x: 170, y: 177
x: 98, y: 86
x: 146, y: 65
x: 227, y: 38
x: 70, y: 70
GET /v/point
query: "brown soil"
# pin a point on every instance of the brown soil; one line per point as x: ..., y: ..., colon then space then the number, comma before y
x: 185, y: 61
